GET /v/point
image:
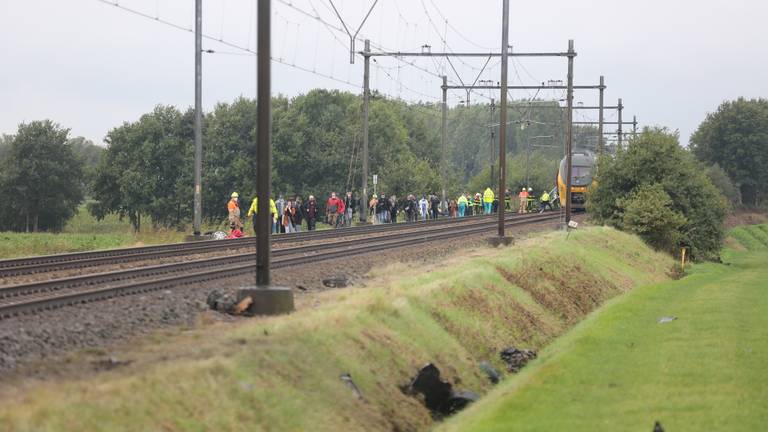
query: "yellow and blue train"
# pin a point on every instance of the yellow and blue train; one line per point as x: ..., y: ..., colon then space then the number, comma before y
x: 582, y: 167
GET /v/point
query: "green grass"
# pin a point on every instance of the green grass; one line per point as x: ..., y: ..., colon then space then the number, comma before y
x: 84, y: 233
x: 282, y: 373
x: 620, y: 370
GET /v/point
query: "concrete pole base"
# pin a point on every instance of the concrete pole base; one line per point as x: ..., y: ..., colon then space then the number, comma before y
x: 501, y: 241
x: 267, y: 300
x: 193, y: 238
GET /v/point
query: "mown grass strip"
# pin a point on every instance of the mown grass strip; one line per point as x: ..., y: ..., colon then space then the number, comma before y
x: 620, y: 370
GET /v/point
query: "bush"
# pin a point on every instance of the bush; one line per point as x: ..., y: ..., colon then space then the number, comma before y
x: 648, y: 213
x: 654, y: 161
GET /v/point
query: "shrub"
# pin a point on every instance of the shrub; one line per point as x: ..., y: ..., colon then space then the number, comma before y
x: 655, y: 161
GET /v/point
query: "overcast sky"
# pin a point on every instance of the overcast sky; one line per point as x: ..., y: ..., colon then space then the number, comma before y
x: 91, y: 66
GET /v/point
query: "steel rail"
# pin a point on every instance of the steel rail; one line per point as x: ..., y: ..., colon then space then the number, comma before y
x: 161, y: 269
x: 335, y: 251
x: 48, y: 263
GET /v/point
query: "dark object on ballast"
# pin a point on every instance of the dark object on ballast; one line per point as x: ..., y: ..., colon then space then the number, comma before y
x: 336, y: 282
x: 439, y: 396
x: 516, y: 358
x: 221, y: 302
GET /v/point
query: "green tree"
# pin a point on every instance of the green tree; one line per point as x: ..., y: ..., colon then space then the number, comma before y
x: 719, y: 178
x: 146, y: 170
x: 40, y: 180
x: 656, y: 159
x: 736, y: 138
x: 90, y: 154
x: 5, y: 145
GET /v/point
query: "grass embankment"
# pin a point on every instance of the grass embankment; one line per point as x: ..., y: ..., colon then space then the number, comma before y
x: 84, y: 233
x: 282, y: 373
x: 620, y: 370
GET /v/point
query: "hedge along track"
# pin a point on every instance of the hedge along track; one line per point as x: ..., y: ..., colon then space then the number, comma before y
x: 35, y: 297
x: 49, y: 263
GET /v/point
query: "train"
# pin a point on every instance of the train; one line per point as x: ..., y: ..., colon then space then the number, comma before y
x: 582, y: 168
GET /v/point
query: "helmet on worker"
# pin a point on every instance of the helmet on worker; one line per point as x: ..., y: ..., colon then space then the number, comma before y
x: 234, y: 195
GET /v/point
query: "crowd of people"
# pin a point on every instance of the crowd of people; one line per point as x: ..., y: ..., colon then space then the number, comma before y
x: 289, y: 215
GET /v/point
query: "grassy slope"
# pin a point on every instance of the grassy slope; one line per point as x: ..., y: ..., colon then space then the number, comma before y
x: 282, y: 373
x: 620, y: 371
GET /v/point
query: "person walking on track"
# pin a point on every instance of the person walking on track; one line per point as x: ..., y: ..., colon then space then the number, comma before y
x: 349, y: 208
x: 334, y: 208
x: 310, y: 213
x: 462, y: 205
x: 545, y: 201
x: 523, y: 201
x: 488, y: 197
x: 233, y: 210
x: 255, y: 209
x: 423, y: 208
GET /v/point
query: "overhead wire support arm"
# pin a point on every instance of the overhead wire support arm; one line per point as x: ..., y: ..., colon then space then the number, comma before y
x: 465, y: 54
x: 523, y: 87
x: 352, y: 37
x: 607, y: 123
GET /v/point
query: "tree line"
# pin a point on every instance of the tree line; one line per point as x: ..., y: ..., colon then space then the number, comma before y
x: 145, y: 172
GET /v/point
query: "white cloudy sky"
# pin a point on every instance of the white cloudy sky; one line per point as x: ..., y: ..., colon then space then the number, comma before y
x: 91, y: 66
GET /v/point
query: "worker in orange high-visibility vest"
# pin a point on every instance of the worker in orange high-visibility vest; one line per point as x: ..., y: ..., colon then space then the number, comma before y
x: 233, y: 208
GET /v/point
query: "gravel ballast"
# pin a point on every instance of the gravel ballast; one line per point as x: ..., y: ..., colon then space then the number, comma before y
x: 30, y: 344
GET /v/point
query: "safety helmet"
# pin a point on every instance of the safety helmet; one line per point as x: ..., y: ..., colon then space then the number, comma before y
x: 234, y: 195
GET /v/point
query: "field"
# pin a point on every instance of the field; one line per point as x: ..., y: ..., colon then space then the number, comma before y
x: 83, y: 233
x: 282, y: 373
x: 620, y: 370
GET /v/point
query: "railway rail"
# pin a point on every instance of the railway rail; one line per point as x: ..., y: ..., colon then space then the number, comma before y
x: 49, y: 263
x: 40, y: 296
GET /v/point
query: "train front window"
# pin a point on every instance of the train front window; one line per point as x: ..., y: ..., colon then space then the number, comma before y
x: 579, y: 171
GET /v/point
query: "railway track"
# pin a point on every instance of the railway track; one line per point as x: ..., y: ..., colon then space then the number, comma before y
x: 49, y: 263
x: 39, y: 296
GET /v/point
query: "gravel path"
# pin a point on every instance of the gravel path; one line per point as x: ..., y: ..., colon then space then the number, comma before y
x: 30, y: 344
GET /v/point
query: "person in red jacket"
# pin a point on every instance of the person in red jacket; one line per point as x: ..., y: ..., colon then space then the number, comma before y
x: 334, y: 208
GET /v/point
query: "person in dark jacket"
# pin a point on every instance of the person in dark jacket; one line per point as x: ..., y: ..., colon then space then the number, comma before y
x: 393, y: 209
x: 298, y: 218
x: 434, y: 203
x: 350, y: 203
x: 310, y: 213
x: 411, y: 208
x: 382, y: 209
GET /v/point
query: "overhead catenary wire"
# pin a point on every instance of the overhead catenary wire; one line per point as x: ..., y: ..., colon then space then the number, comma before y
x: 229, y: 44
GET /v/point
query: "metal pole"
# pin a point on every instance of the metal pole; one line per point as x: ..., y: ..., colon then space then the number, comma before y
x: 634, y: 126
x: 263, y: 144
x: 601, y: 119
x: 569, y: 136
x: 503, y: 113
x: 198, y: 202
x: 621, y: 108
x: 366, y: 102
x: 443, y: 136
x: 493, y: 140
x: 527, y: 163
